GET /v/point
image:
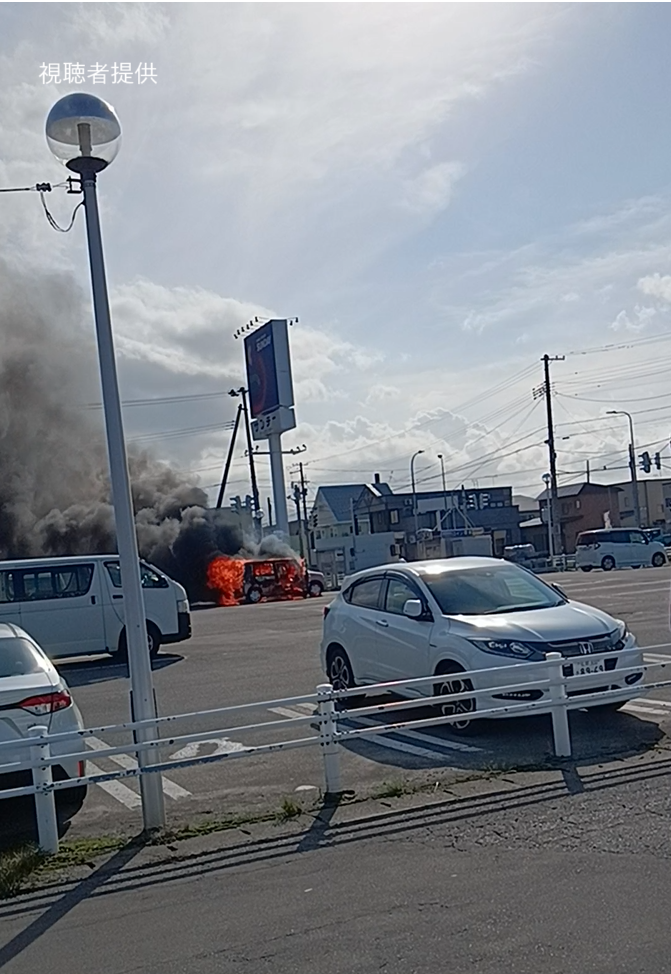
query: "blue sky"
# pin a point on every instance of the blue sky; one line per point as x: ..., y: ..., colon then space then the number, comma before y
x: 440, y: 192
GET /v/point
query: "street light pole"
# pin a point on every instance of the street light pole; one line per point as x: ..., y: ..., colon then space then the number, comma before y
x: 414, y: 496
x: 84, y: 132
x: 632, y: 461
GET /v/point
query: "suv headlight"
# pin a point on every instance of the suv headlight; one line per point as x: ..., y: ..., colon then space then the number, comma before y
x: 622, y: 635
x: 504, y: 647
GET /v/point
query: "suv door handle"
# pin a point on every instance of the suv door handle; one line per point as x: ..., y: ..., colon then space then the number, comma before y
x: 381, y: 622
x: 117, y: 596
x: 93, y: 600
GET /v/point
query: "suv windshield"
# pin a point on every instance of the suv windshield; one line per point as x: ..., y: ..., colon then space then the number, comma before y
x: 485, y: 591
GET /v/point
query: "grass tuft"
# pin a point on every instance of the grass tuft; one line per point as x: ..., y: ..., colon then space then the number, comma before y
x: 289, y: 809
x: 16, y: 866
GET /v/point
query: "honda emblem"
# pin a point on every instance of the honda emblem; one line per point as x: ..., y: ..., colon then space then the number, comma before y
x: 585, y: 648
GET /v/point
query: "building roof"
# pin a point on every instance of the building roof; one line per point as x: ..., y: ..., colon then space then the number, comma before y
x: 341, y: 496
x: 572, y: 490
x: 524, y: 503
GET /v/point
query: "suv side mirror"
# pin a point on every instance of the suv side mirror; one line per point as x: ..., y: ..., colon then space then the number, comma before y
x: 413, y: 608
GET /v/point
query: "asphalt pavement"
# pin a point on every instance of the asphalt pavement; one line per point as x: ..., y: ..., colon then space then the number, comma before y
x: 257, y: 653
x: 554, y: 873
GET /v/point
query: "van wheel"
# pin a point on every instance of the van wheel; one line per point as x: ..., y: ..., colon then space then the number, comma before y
x: 153, y: 642
x: 586, y: 568
x: 316, y: 589
x: 254, y: 595
x: 453, y: 684
x: 608, y: 563
x: 658, y: 559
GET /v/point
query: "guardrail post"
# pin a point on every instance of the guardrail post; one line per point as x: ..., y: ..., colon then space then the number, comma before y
x: 329, y: 745
x: 45, y: 801
x: 558, y: 698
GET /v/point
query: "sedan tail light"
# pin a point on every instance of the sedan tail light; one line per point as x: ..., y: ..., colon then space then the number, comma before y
x: 46, y: 703
x: 326, y: 610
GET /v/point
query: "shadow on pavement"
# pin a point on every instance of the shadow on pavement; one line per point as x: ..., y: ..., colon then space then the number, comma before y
x: 79, y: 674
x: 114, y: 877
x: 513, y: 743
x: 62, y: 906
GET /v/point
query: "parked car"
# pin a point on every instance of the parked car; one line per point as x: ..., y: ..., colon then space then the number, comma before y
x: 33, y: 693
x: 459, y: 614
x: 316, y: 583
x: 659, y: 534
x: 617, y: 548
x: 74, y: 606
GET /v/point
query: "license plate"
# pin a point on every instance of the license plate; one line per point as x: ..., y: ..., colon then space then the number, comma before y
x: 584, y: 667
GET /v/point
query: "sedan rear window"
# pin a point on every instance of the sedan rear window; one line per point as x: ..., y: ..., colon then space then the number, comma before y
x: 18, y: 657
x: 486, y: 591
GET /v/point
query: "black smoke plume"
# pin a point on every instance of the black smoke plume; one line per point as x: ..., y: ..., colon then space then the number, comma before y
x: 54, y: 483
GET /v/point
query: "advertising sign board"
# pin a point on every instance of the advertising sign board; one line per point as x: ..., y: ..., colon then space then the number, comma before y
x: 269, y: 368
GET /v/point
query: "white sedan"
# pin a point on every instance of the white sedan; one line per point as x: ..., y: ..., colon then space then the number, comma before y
x: 450, y: 616
x: 32, y: 693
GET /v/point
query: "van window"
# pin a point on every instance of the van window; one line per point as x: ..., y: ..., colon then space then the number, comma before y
x: 150, y: 578
x: 36, y: 584
x: 6, y: 587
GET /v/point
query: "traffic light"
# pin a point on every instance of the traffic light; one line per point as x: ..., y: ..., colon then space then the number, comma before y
x: 658, y: 460
x: 646, y: 463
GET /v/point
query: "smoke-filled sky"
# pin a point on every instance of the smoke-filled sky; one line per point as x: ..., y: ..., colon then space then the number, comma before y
x: 440, y: 192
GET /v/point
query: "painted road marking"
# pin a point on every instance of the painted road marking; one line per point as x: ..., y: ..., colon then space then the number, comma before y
x: 116, y: 789
x: 384, y: 740
x: 222, y: 745
x: 656, y: 658
x: 647, y: 711
x: 171, y: 789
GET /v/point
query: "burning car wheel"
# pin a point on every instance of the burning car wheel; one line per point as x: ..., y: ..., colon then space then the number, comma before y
x: 254, y: 595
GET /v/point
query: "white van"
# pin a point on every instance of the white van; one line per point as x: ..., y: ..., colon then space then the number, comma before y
x: 74, y: 606
x: 617, y: 548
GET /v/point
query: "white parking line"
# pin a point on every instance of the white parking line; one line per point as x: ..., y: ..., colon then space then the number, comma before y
x: 385, y: 740
x: 116, y: 789
x: 647, y: 711
x: 171, y: 789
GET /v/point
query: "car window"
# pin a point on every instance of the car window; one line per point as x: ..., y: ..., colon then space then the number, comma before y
x: 18, y: 657
x: 7, y: 587
x: 150, y: 578
x: 637, y: 537
x: 485, y: 591
x: 619, y: 537
x: 366, y: 593
x: 398, y: 593
x: 55, y: 583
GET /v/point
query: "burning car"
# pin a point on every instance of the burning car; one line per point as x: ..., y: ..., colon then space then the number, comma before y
x: 238, y: 580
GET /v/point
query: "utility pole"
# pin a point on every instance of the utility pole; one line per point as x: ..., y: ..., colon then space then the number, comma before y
x: 546, y: 390
x: 632, y: 463
x: 297, y: 502
x: 587, y: 472
x: 227, y: 465
x: 304, y: 495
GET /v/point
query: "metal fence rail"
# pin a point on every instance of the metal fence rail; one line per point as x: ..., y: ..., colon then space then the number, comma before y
x: 561, y: 692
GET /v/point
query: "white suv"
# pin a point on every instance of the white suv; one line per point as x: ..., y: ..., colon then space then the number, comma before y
x: 459, y: 614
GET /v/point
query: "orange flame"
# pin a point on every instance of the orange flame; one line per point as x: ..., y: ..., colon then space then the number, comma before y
x: 226, y: 576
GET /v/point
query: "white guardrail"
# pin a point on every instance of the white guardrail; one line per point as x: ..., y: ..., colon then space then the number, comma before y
x: 331, y: 718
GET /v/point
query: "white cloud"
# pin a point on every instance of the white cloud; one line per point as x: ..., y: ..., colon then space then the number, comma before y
x: 430, y: 191
x: 657, y: 286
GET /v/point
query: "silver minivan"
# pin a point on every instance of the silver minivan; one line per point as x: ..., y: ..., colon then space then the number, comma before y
x: 617, y: 548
